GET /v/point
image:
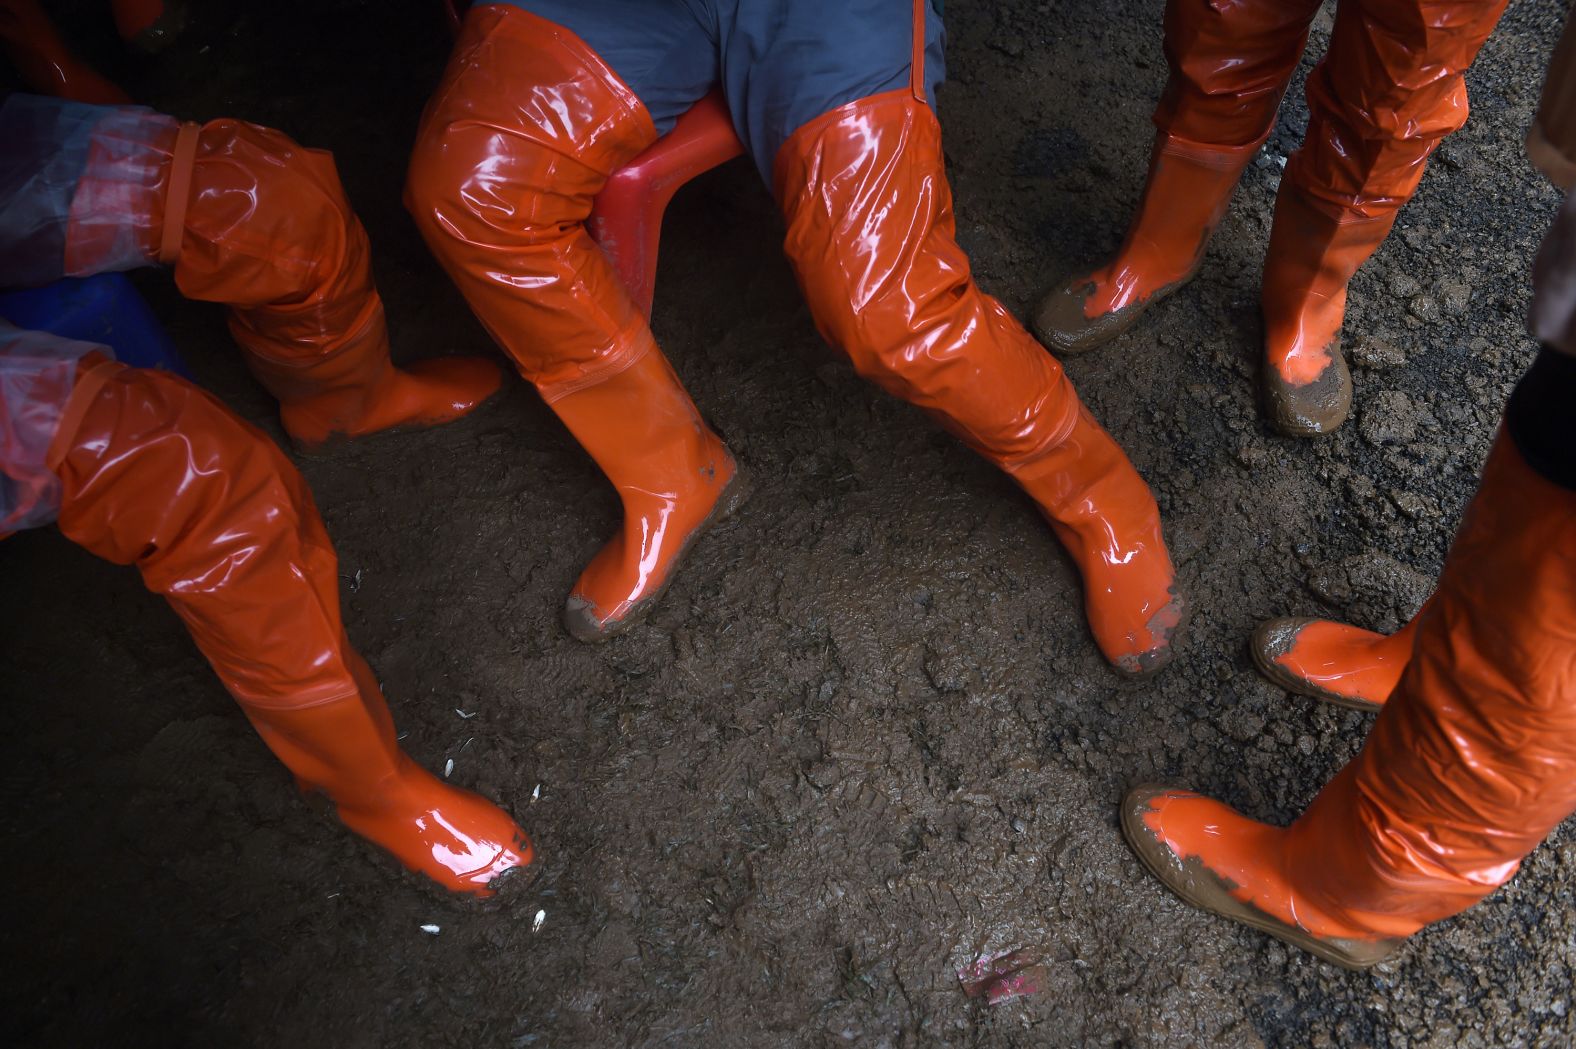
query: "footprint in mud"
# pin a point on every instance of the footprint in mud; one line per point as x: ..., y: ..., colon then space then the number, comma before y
x: 181, y: 752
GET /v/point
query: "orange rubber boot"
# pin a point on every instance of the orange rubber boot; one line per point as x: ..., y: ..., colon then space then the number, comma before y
x: 1340, y: 664
x: 1470, y: 764
x: 1217, y: 859
x: 1106, y: 517
x: 346, y: 748
x: 44, y: 61
x: 156, y: 473
x: 519, y: 138
x: 871, y: 235
x: 1189, y: 188
x: 1388, y: 91
x: 265, y: 228
x: 1312, y: 255
x: 356, y: 390
x: 673, y: 475
x: 314, y: 333
x: 1229, y: 67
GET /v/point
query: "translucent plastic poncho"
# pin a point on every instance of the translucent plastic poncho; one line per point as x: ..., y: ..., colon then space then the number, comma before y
x: 91, y: 177
x: 37, y: 374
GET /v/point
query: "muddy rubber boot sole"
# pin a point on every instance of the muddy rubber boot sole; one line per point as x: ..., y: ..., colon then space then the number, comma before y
x: 1148, y: 664
x: 1060, y: 324
x: 1194, y: 884
x: 1275, y: 638
x: 1318, y: 408
x: 582, y: 623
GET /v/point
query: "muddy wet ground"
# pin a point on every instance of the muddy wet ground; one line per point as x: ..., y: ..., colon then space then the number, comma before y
x: 866, y: 738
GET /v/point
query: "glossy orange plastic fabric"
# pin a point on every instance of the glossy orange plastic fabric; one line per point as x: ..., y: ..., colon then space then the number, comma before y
x: 871, y: 237
x: 1253, y: 860
x: 158, y: 474
x: 1388, y: 90
x: 1470, y: 764
x: 671, y: 473
x: 44, y: 61
x: 521, y: 134
x: 348, y: 750
x: 1230, y: 64
x: 268, y: 232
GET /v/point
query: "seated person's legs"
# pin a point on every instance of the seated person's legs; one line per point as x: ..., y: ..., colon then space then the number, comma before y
x: 143, y: 468
x: 854, y: 154
x: 523, y: 131
x: 263, y: 227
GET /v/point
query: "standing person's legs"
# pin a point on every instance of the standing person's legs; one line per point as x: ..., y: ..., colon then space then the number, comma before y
x: 1230, y: 64
x: 871, y: 237
x: 523, y: 131
x: 1471, y: 763
x: 1389, y: 90
x: 247, y: 218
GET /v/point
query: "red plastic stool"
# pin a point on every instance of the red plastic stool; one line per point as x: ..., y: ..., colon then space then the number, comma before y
x: 626, y: 217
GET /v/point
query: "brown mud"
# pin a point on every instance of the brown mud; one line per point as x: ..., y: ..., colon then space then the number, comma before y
x: 865, y: 742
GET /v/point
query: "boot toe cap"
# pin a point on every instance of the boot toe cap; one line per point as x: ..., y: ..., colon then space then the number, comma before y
x: 1309, y: 409
x: 509, y: 865
x: 1163, y: 629
x: 583, y: 623
x: 1061, y: 324
x: 1272, y: 640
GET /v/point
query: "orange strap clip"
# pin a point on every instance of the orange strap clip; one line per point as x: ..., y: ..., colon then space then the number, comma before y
x: 180, y: 193
x: 91, y: 378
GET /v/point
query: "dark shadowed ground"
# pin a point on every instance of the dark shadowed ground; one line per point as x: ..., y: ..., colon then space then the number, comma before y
x: 866, y: 738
